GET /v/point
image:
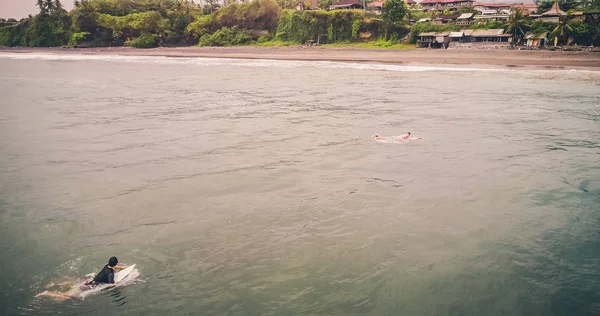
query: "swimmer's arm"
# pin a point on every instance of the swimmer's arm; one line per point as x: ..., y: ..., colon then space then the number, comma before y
x: 120, y: 267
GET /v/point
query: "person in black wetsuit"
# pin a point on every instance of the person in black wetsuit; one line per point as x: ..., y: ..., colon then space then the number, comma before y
x: 106, y: 275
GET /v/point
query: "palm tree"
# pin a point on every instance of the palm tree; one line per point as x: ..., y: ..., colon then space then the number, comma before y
x: 516, y: 24
x: 563, y: 30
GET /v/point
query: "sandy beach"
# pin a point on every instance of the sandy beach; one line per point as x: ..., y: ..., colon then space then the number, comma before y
x: 457, y: 57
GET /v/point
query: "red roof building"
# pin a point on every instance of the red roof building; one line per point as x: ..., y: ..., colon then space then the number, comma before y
x: 445, y: 4
x: 347, y: 4
x: 527, y: 7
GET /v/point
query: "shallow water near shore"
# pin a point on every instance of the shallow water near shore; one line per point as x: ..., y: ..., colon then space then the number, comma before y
x: 244, y: 187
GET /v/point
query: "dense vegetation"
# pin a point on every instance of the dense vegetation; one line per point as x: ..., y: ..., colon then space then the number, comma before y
x: 152, y: 23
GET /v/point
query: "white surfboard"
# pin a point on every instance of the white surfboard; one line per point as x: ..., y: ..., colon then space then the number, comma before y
x: 120, y: 275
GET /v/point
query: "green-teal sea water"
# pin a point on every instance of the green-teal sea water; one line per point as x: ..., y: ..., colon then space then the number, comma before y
x: 255, y: 188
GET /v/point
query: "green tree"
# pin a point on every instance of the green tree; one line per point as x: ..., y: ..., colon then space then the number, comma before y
x: 516, y: 25
x: 393, y: 11
x: 287, y: 4
x: 325, y: 4
x: 563, y: 30
x: 592, y: 21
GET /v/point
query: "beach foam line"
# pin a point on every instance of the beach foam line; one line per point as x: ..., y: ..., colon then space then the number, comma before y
x: 211, y: 61
x: 252, y: 62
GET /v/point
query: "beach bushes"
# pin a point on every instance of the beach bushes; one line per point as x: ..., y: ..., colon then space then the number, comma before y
x: 39, y: 31
x: 226, y: 36
x: 232, y: 24
x: 257, y: 14
x: 299, y: 27
x: 586, y: 34
x: 146, y: 40
x: 77, y: 38
x: 333, y: 26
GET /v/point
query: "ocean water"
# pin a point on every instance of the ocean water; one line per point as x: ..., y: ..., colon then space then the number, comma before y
x: 254, y: 187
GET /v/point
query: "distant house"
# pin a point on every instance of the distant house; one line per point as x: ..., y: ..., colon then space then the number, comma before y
x: 487, y: 12
x: 480, y: 6
x: 493, y: 35
x: 445, y: 19
x: 487, y: 18
x: 441, y: 5
x: 553, y: 14
x: 528, y: 8
x: 465, y: 19
x: 536, y: 40
x: 457, y: 36
x: 347, y: 4
x: 376, y: 6
x: 434, y: 40
x: 507, y: 8
x: 479, y: 38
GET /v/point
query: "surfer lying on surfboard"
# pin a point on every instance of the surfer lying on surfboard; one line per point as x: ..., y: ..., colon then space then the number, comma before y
x: 400, y: 138
x: 105, y: 276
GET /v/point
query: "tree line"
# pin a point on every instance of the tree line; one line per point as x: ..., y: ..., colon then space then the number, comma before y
x: 152, y: 23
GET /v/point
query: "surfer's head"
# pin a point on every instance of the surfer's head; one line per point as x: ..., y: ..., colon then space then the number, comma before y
x: 112, y: 261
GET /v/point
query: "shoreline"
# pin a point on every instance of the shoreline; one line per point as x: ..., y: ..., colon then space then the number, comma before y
x: 495, y: 58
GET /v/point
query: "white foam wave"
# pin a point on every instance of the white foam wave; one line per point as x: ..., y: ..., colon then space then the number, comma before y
x: 397, y: 140
x: 202, y: 61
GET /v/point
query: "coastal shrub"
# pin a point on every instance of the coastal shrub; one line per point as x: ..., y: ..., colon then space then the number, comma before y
x: 257, y: 14
x: 12, y: 36
x: 585, y: 34
x: 202, y: 26
x: 126, y: 7
x: 5, y: 36
x: 265, y: 39
x: 254, y: 15
x: 340, y: 24
x: 539, y: 27
x: 77, y: 38
x: 299, y: 27
x: 393, y: 11
x: 146, y: 40
x: 227, y: 36
x: 373, y: 26
x: 356, y: 28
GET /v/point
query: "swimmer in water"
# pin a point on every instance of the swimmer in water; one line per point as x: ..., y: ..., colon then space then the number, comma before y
x: 400, y: 138
x: 106, y: 276
x: 378, y: 137
x: 407, y: 137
